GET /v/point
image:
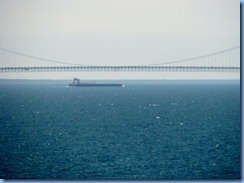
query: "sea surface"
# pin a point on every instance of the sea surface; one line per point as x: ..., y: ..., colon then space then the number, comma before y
x: 145, y: 130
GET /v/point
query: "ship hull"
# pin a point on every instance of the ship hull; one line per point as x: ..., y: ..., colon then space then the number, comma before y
x: 96, y: 85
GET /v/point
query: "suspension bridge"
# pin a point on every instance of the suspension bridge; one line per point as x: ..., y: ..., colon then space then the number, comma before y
x: 227, y: 60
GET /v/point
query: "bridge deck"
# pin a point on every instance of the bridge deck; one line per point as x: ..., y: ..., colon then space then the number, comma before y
x: 121, y: 69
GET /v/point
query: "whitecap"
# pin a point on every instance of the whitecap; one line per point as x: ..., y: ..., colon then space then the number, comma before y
x: 154, y: 105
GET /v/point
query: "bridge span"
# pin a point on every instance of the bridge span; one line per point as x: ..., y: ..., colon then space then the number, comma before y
x: 121, y: 69
x: 227, y: 60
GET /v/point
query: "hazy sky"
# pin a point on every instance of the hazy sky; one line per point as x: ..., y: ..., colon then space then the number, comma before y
x: 119, y: 32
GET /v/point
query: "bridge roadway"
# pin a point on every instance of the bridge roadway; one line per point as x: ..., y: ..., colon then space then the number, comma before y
x: 121, y: 69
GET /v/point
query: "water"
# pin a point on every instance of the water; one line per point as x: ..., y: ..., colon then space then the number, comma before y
x: 147, y: 130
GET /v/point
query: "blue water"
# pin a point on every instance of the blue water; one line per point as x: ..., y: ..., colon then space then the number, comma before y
x: 146, y: 130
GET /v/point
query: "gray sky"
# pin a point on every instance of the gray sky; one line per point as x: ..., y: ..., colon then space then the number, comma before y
x: 119, y: 32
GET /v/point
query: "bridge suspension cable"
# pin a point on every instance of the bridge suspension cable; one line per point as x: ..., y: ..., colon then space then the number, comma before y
x: 156, y: 64
x: 39, y: 58
x: 195, y: 58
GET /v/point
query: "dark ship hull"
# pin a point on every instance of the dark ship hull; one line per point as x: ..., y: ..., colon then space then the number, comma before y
x: 96, y: 85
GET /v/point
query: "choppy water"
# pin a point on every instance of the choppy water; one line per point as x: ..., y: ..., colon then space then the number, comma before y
x: 147, y: 130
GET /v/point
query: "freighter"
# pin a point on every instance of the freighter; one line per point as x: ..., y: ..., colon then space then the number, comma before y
x: 76, y: 82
